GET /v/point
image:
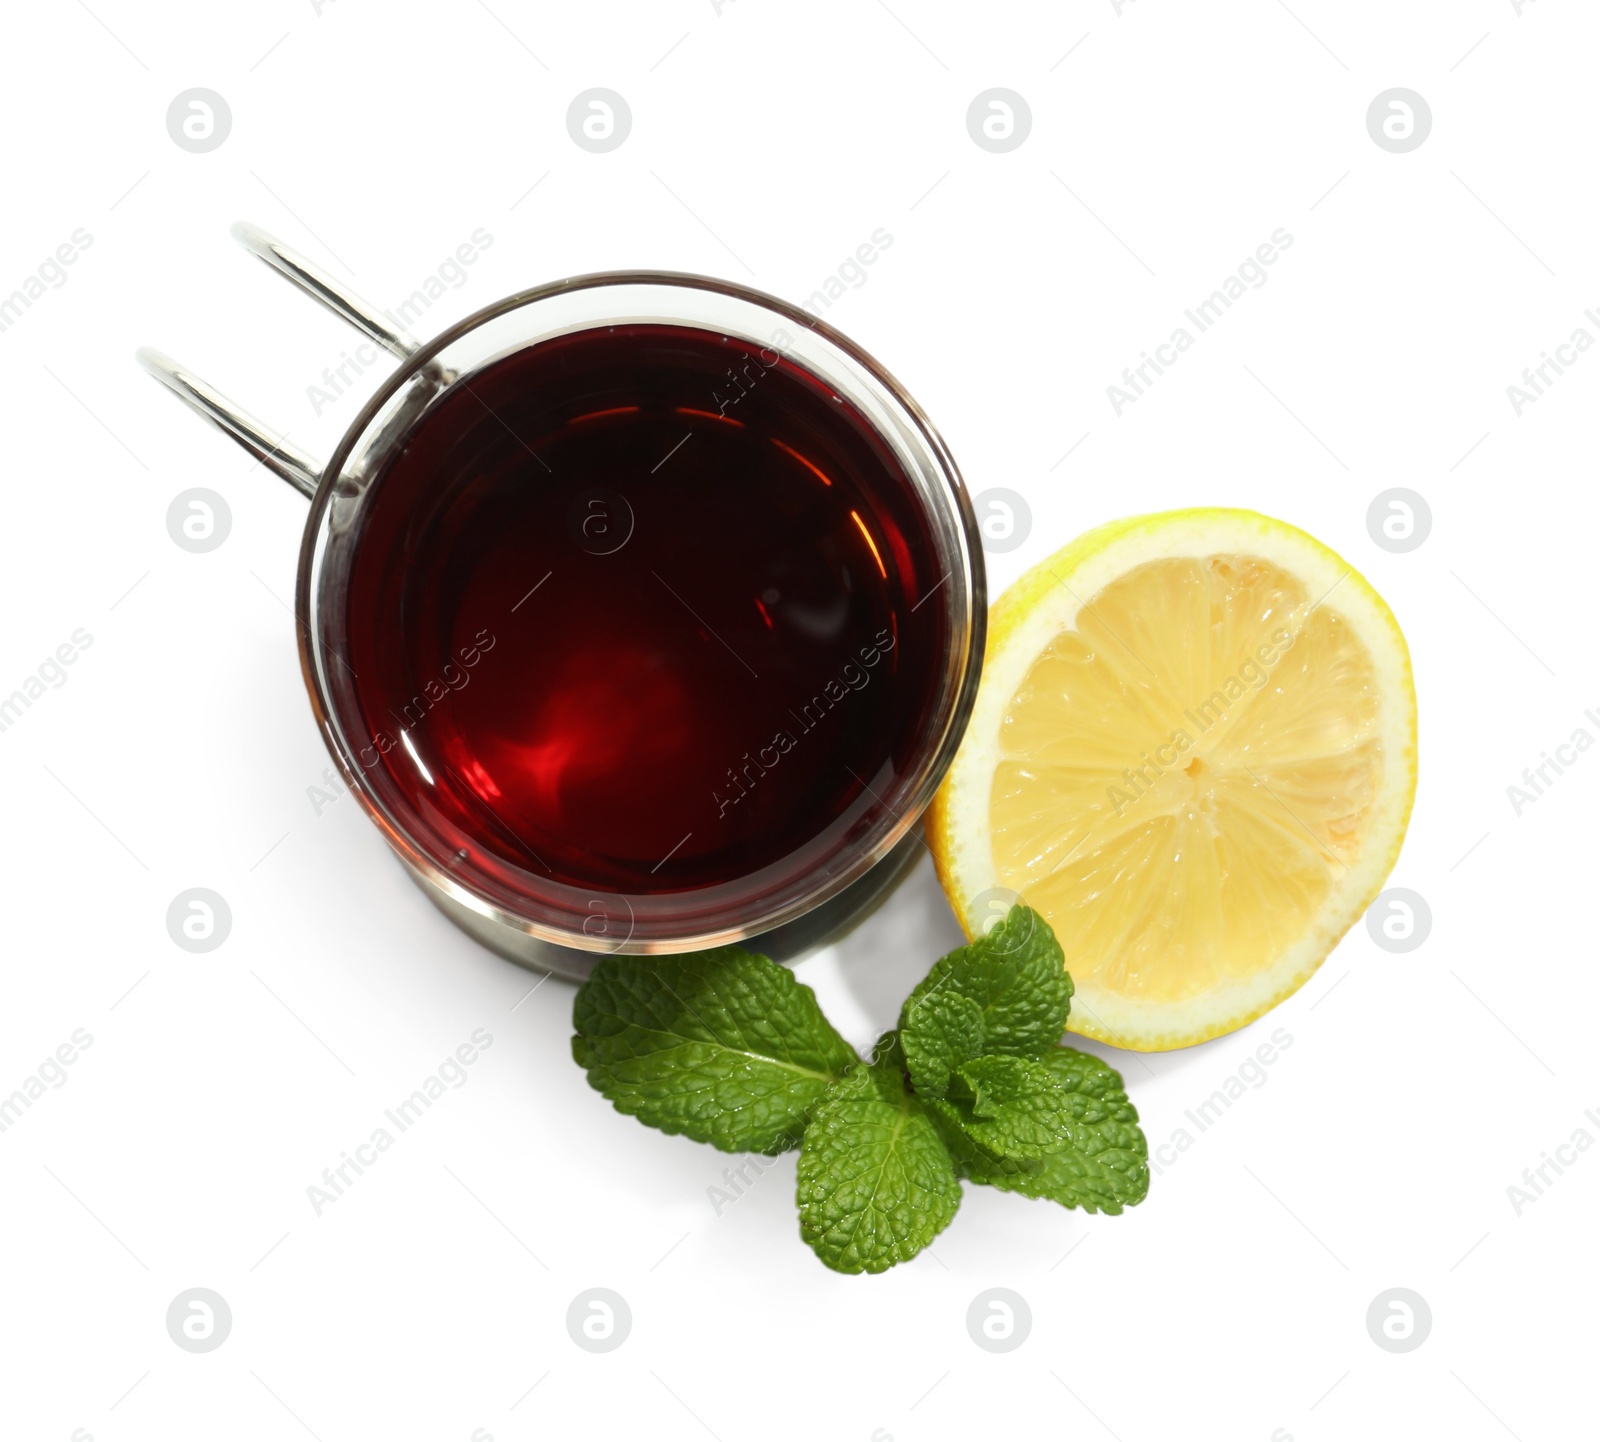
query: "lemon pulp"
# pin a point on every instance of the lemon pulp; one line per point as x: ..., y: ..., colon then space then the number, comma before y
x: 1210, y: 741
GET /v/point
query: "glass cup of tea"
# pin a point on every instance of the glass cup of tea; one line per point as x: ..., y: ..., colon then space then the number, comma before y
x: 643, y: 612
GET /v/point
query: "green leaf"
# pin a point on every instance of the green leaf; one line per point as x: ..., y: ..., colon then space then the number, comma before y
x: 942, y: 1030
x: 1016, y: 976
x: 723, y: 1046
x: 1104, y: 1165
x: 875, y: 1182
x: 1010, y: 1106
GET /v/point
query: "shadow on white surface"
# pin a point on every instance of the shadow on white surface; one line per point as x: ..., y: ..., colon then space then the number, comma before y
x: 862, y: 980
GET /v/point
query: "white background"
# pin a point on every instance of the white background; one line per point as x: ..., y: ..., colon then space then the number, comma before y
x: 767, y: 143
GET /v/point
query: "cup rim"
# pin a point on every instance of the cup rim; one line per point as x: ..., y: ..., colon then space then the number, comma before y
x: 956, y: 704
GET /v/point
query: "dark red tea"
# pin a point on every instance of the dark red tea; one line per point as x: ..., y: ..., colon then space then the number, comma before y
x: 640, y: 610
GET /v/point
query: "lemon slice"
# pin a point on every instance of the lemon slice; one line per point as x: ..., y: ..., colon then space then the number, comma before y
x: 1194, y: 753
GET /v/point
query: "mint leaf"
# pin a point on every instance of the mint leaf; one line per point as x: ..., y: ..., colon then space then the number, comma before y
x: 723, y: 1046
x: 875, y: 1183
x: 1102, y: 1168
x: 1015, y: 974
x: 942, y: 1030
x: 1010, y: 1106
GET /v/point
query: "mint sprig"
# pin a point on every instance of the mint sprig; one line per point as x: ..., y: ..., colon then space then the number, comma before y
x: 728, y: 1048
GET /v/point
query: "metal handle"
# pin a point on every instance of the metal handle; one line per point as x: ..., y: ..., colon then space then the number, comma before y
x: 267, y: 446
x: 321, y: 286
x: 274, y: 451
